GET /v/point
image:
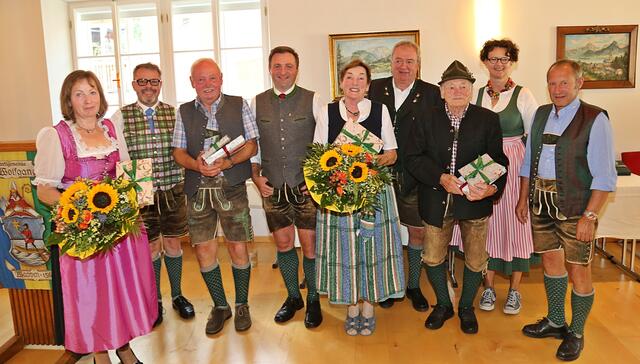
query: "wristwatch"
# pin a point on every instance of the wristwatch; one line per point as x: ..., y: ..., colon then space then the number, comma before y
x: 590, y: 215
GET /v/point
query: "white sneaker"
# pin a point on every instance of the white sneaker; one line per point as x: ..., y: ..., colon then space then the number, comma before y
x: 512, y: 305
x: 488, y: 299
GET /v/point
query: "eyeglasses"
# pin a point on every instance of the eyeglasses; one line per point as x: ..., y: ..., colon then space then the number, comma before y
x: 503, y: 60
x: 144, y: 81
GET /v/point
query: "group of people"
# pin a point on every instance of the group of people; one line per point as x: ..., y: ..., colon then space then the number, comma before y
x: 428, y: 134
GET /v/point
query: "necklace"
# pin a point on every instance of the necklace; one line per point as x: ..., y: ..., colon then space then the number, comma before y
x: 89, y: 131
x: 354, y: 113
x: 495, y: 95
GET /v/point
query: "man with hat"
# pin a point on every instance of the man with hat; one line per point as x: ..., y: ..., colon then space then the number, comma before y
x: 448, y: 138
x: 569, y: 164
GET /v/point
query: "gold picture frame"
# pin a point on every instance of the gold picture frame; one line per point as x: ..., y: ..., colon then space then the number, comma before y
x: 607, y: 53
x: 374, y: 48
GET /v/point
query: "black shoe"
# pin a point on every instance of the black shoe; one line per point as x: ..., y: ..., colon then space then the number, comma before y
x: 386, y: 303
x: 438, y: 316
x: 184, y: 307
x: 313, y: 316
x: 158, y: 320
x: 571, y: 347
x: 288, y: 309
x: 468, y: 321
x: 418, y: 300
x: 543, y: 328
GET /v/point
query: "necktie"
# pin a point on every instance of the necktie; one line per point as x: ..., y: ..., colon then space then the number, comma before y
x: 282, y: 96
x: 149, y: 114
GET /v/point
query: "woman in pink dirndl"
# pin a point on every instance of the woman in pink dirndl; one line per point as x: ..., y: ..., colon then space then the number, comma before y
x: 108, y: 298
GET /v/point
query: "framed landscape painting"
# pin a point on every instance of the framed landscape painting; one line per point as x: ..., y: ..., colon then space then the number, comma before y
x: 607, y: 53
x: 373, y: 48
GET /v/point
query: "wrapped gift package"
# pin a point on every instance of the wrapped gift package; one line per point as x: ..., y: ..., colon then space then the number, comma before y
x: 354, y: 133
x: 483, y: 169
x: 140, y: 171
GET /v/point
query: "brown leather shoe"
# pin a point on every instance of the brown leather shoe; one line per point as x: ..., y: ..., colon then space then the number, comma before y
x: 242, y: 320
x: 216, y: 320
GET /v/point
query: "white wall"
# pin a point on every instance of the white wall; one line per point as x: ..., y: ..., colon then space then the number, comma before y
x: 57, y: 42
x: 447, y: 33
x: 24, y: 93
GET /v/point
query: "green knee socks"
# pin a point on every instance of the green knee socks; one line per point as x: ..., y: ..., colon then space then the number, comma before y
x: 556, y: 288
x: 288, y: 264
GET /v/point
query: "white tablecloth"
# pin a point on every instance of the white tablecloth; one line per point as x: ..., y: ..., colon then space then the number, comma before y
x: 620, y: 217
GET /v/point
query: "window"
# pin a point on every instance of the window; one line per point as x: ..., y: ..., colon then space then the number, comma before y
x: 171, y: 34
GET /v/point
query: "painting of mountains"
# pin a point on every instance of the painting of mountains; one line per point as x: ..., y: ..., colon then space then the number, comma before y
x: 603, y: 57
x: 373, y: 48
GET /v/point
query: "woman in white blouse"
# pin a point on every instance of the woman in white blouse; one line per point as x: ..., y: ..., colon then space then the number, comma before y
x: 356, y: 263
x: 109, y: 298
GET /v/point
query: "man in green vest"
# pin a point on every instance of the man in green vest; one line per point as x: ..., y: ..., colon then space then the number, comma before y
x: 568, y: 171
x: 286, y: 118
x: 147, y: 125
x: 217, y: 192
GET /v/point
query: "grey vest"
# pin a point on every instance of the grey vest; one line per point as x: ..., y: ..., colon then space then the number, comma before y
x: 229, y: 118
x: 286, y: 129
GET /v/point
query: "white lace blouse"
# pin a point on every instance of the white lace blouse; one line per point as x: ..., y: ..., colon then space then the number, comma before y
x: 49, y: 161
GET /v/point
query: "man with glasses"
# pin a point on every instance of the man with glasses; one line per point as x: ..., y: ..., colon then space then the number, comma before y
x: 286, y: 117
x: 408, y: 99
x: 148, y: 126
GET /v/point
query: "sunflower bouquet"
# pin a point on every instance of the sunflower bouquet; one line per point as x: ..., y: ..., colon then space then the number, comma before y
x: 344, y: 178
x: 92, y: 216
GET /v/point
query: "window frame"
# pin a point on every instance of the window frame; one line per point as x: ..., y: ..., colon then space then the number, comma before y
x: 165, y: 38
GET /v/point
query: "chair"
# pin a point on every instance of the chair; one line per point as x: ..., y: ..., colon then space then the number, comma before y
x: 632, y: 161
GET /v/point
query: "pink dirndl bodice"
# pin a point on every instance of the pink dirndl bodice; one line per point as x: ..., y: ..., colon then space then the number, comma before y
x: 110, y: 298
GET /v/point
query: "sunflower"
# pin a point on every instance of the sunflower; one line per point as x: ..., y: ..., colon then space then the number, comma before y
x: 71, y: 193
x: 351, y: 149
x: 329, y: 160
x: 102, y: 198
x: 69, y: 214
x: 358, y: 172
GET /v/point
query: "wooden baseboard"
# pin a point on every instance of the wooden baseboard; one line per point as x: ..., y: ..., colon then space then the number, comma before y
x: 11, y: 348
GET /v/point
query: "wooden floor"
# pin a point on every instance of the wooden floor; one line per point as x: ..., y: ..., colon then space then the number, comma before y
x: 612, y: 333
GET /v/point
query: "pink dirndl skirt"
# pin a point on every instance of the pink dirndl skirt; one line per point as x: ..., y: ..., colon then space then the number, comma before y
x: 109, y: 299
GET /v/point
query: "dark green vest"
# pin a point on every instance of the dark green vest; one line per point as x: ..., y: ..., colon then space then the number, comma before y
x: 511, y: 121
x: 286, y: 130
x: 229, y: 118
x: 573, y: 178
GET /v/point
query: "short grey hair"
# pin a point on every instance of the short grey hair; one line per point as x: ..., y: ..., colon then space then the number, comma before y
x: 406, y: 43
x: 198, y: 61
x: 575, y: 66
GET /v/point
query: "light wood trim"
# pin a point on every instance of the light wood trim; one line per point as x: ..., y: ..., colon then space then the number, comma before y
x: 18, y: 146
x: 11, y: 348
